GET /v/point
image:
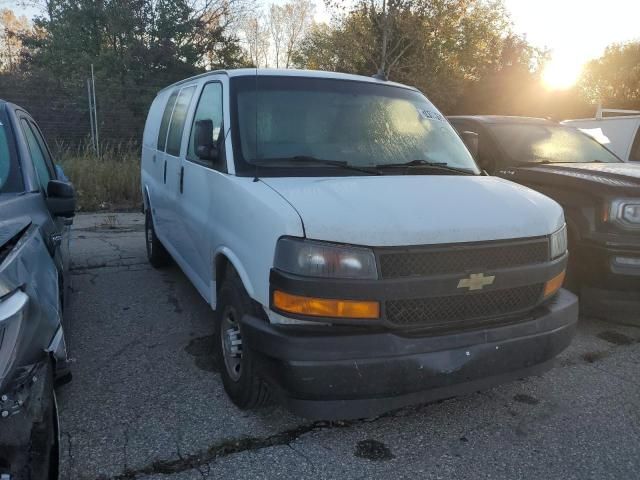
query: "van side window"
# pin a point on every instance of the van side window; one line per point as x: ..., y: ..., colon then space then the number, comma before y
x: 166, y: 116
x: 634, y: 155
x: 38, y: 156
x: 178, y: 119
x: 209, y: 108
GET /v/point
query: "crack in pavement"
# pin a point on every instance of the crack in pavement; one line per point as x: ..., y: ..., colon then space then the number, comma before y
x: 230, y: 447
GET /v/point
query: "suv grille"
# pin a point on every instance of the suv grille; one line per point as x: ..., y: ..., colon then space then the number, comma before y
x: 458, y: 309
x: 462, y: 259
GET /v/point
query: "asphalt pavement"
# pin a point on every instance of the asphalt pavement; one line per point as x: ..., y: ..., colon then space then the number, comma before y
x: 146, y: 400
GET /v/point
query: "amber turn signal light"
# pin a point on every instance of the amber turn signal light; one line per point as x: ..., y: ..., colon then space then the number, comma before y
x: 553, y: 285
x: 323, y: 307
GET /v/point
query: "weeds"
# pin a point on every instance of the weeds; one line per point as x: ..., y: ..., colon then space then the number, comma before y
x: 111, y: 182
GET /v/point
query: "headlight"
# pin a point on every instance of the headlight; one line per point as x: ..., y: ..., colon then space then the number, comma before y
x: 558, y: 242
x: 320, y: 259
x: 626, y: 212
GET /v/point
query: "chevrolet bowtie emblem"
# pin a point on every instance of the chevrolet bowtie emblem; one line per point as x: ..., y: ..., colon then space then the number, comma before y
x: 476, y: 281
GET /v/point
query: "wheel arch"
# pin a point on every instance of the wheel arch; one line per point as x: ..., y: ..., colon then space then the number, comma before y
x: 223, y: 259
x: 146, y: 198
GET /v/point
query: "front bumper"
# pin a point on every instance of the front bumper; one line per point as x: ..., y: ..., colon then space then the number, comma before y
x: 608, y: 288
x: 332, y: 375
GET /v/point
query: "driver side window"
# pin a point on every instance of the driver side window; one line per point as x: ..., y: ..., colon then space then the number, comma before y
x: 209, y: 108
x: 39, y: 154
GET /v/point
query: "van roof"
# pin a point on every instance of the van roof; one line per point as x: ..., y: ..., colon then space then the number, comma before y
x: 503, y: 119
x: 270, y: 72
x: 595, y: 119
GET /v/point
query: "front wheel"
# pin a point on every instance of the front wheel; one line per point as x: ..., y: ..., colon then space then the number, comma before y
x: 236, y: 360
x: 38, y: 459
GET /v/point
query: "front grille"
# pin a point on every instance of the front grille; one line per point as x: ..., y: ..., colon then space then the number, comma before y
x: 458, y: 309
x: 463, y: 258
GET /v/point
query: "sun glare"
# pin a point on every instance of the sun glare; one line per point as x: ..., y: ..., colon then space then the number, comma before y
x: 561, y: 73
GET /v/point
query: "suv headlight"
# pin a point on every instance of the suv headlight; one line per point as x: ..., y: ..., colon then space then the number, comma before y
x: 558, y: 242
x: 626, y: 212
x: 322, y: 259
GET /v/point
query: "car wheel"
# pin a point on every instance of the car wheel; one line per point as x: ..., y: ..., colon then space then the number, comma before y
x: 156, y: 253
x: 44, y: 448
x: 236, y: 360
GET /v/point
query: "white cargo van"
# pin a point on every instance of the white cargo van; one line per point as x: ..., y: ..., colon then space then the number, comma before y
x: 356, y: 257
x: 619, y: 133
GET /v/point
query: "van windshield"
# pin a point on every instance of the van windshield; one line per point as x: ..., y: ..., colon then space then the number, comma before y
x: 10, y: 176
x: 307, y: 124
x: 527, y: 143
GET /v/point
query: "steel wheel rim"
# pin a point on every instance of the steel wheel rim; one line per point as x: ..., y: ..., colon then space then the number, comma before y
x: 231, y: 343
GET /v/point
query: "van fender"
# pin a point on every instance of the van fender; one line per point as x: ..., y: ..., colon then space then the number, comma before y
x: 233, y: 259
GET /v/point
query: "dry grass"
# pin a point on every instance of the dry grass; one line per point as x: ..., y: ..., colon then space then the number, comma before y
x: 109, y: 183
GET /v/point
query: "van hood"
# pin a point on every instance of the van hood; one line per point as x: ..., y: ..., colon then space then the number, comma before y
x: 417, y: 210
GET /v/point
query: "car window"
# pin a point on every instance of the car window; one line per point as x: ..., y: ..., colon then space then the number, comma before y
x: 38, y: 155
x: 209, y: 108
x: 524, y: 143
x: 164, y: 124
x: 634, y: 155
x: 10, y: 175
x: 43, y: 148
x: 176, y: 126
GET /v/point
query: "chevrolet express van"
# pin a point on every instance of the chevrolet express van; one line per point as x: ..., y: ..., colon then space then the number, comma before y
x: 356, y: 257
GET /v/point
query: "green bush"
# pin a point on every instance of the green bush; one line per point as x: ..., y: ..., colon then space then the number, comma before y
x: 111, y: 182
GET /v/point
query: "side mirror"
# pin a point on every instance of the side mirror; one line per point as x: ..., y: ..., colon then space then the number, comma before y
x: 471, y: 140
x: 61, y: 198
x: 203, y: 144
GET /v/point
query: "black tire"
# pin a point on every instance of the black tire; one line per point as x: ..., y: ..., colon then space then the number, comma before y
x: 245, y: 388
x: 156, y: 253
x: 44, y: 448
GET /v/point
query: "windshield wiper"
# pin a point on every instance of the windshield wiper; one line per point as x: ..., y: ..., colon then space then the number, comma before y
x: 427, y: 164
x: 320, y: 161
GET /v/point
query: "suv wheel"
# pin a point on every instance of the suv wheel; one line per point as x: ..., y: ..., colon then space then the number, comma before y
x: 236, y: 360
x: 156, y: 253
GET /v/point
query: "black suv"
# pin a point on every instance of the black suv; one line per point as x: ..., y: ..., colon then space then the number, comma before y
x: 600, y: 195
x: 36, y: 206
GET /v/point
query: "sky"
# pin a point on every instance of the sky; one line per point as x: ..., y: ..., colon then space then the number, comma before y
x: 574, y: 30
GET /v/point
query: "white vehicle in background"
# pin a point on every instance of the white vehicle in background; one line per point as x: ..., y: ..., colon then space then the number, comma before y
x: 619, y: 133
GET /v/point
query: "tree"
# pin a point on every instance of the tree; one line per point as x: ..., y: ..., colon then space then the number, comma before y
x: 256, y: 39
x: 450, y: 49
x: 277, y: 18
x: 12, y: 29
x: 614, y: 78
x: 287, y: 26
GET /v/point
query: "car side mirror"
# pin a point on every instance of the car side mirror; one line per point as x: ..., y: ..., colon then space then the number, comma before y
x: 471, y: 140
x: 61, y: 198
x: 203, y: 143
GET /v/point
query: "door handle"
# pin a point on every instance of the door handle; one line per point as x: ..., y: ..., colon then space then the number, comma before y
x: 164, y: 175
x: 181, y: 178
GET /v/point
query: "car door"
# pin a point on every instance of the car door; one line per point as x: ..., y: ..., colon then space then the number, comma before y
x: 56, y: 230
x: 203, y: 187
x: 168, y: 220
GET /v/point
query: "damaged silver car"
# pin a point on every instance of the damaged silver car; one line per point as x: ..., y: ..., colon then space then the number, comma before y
x: 36, y: 207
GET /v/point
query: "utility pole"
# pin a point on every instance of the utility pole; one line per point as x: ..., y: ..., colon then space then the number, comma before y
x: 95, y: 111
